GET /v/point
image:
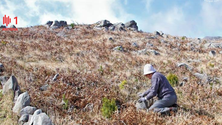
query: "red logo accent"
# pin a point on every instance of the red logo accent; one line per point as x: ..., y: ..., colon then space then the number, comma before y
x: 6, y: 20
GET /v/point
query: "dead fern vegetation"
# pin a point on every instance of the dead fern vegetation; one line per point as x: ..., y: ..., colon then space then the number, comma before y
x: 89, y: 70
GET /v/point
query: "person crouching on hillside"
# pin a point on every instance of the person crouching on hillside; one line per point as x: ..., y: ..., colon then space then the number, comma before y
x: 161, y: 88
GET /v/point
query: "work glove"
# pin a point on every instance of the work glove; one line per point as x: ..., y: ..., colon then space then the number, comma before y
x: 140, y: 95
x: 142, y: 99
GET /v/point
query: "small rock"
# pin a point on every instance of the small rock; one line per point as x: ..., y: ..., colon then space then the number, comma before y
x: 71, y: 108
x: 135, y: 45
x: 154, y: 52
x: 111, y: 39
x: 184, y: 65
x: 151, y: 37
x: 44, y: 87
x: 185, y: 79
x: 28, y: 110
x: 163, y: 41
x: 212, y: 53
x: 157, y: 33
x: 143, y: 52
x: 3, y: 80
x: 149, y: 45
x: 2, y: 67
x: 55, y: 77
x: 119, y: 48
x: 12, y: 26
x: 88, y: 107
x: 202, y: 77
x: 22, y: 101
x: 49, y: 23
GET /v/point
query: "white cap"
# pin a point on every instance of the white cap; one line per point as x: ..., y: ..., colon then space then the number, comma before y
x: 148, y: 69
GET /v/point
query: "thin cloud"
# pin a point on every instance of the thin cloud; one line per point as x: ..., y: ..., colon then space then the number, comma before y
x: 9, y: 9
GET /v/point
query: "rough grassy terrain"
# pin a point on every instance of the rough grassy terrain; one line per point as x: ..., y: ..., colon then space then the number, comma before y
x: 89, y: 70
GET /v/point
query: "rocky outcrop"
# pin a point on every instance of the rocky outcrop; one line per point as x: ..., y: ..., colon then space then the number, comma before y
x: 2, y: 26
x: 22, y: 105
x: 131, y: 25
x: 107, y: 25
x: 56, y: 24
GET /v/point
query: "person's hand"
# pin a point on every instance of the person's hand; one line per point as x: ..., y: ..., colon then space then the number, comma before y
x: 142, y: 99
x: 140, y: 95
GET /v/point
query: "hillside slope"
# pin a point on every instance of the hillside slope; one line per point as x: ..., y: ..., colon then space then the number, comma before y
x: 90, y: 69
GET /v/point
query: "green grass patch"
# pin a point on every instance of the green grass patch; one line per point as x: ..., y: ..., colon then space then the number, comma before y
x: 109, y: 106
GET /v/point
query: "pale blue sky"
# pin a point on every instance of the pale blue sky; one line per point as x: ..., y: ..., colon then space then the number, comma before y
x: 191, y: 18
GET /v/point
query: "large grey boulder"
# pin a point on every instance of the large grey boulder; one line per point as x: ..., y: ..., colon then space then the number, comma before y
x: 131, y: 25
x: 1, y: 67
x: 104, y: 23
x: 37, y: 112
x: 28, y: 110
x: 42, y: 119
x: 11, y: 84
x: 22, y: 101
